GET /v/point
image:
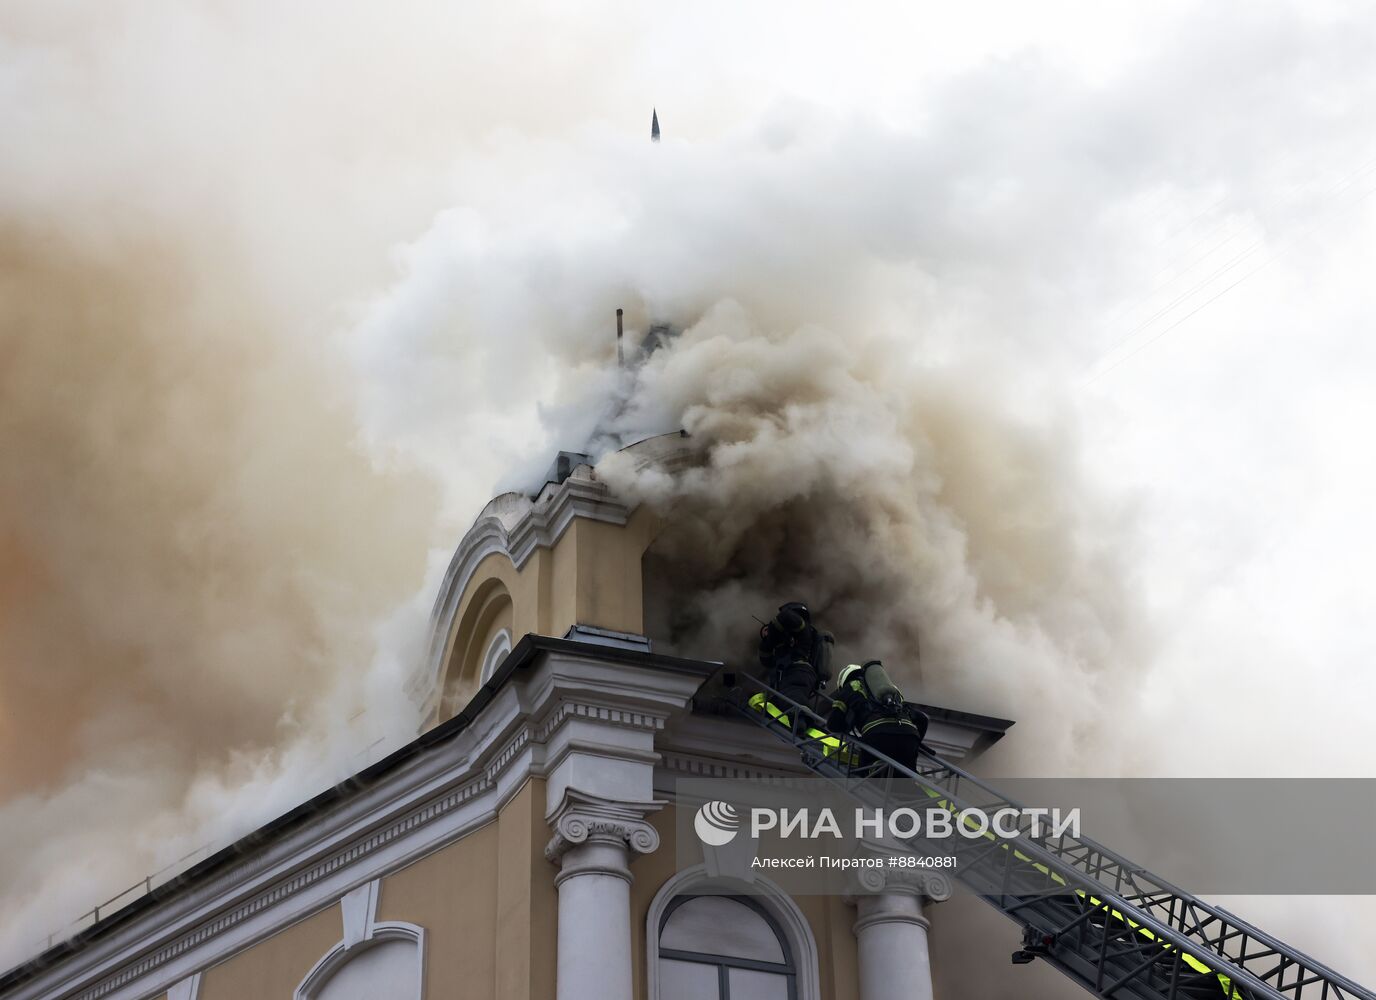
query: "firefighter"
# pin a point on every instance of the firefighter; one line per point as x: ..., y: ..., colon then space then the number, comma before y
x: 869, y: 706
x: 796, y: 654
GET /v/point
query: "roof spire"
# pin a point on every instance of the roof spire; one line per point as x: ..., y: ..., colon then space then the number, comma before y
x: 654, y: 125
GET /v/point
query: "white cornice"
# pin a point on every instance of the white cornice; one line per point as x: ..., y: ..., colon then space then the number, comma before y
x: 673, y: 765
x: 610, y: 715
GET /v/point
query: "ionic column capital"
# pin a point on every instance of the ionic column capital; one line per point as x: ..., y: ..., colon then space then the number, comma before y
x: 584, y: 819
x: 923, y: 886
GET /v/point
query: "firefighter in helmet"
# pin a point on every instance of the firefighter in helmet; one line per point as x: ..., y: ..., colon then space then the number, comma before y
x: 868, y: 705
x: 796, y: 654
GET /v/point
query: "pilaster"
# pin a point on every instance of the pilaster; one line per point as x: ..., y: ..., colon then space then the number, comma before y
x: 597, y: 723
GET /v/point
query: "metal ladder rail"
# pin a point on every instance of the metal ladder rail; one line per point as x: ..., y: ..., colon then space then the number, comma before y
x: 1113, y: 959
x: 1096, y: 944
x: 1104, y: 968
x: 1147, y: 891
x: 1167, y: 912
x: 1228, y: 935
x: 1224, y: 933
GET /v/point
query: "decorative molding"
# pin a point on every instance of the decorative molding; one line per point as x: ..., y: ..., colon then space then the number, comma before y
x: 432, y: 801
x: 359, y: 909
x: 487, y: 537
x: 188, y: 989
x: 927, y: 886
x: 889, y: 908
x: 576, y: 496
x: 608, y: 715
x: 496, y: 652
x: 442, y: 797
x: 525, y: 528
x: 705, y: 745
x: 936, y: 887
x: 512, y: 749
x: 291, y: 887
x: 696, y: 766
x: 362, y: 931
x: 582, y: 818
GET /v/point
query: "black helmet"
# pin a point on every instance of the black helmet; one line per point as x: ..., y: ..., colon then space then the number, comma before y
x: 793, y: 616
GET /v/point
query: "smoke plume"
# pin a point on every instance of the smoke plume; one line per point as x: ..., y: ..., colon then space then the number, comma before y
x: 184, y: 575
x: 280, y: 308
x: 923, y: 524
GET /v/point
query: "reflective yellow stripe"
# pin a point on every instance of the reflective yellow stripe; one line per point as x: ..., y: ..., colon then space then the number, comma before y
x: 831, y: 745
x: 1226, y: 982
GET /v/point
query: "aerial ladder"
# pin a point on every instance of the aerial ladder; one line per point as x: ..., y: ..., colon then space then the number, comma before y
x: 1113, y: 927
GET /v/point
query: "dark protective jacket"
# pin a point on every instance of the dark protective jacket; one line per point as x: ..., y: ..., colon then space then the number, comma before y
x: 796, y: 655
x: 867, y: 704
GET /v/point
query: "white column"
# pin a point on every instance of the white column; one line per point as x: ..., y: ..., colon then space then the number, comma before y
x: 592, y: 844
x: 891, y: 935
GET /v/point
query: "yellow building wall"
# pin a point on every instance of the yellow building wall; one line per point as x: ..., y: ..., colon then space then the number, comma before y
x: 489, y: 909
x: 610, y: 589
x: 591, y: 576
x: 276, y: 966
x: 452, y: 894
x: 527, y: 903
x: 487, y: 904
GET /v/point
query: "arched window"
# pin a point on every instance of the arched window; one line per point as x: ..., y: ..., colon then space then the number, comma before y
x: 496, y: 653
x: 723, y: 948
x: 386, y: 968
x: 375, y: 959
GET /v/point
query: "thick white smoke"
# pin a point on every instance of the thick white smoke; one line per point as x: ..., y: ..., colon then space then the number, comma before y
x: 288, y: 305
x: 906, y: 505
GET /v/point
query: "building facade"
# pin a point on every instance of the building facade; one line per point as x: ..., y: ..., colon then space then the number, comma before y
x: 523, y: 846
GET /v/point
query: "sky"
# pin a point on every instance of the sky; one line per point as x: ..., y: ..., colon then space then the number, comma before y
x: 291, y: 289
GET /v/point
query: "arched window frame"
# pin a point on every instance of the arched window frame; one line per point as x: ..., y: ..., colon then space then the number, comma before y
x: 495, y: 654
x: 362, y: 931
x: 724, y: 963
x: 794, y: 931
